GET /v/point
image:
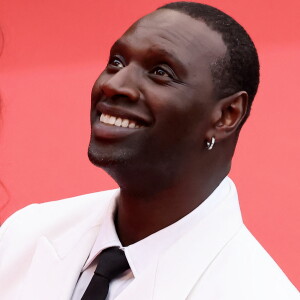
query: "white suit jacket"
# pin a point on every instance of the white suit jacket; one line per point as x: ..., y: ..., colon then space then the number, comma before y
x: 44, y: 247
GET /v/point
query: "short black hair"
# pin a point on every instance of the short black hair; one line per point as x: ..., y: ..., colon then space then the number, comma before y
x: 238, y: 70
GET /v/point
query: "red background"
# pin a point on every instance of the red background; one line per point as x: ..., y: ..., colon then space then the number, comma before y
x: 53, y: 52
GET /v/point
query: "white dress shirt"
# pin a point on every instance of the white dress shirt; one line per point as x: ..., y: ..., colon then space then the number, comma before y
x: 145, y: 252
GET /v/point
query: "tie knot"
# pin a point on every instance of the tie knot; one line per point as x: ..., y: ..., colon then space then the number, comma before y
x: 112, y: 263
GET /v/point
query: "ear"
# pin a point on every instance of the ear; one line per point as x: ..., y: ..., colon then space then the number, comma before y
x: 227, y: 115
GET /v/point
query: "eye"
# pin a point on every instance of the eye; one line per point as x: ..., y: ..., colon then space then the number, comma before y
x: 116, y: 62
x: 164, y: 72
x: 160, y: 72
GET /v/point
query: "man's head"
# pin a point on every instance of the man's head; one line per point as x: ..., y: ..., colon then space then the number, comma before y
x: 165, y: 79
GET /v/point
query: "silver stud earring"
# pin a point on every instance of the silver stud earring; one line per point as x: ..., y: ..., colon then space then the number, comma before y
x: 210, y: 144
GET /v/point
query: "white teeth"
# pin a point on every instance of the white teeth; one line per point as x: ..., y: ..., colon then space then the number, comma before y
x: 116, y: 121
x: 112, y: 120
x: 131, y: 124
x: 106, y: 119
x: 125, y: 123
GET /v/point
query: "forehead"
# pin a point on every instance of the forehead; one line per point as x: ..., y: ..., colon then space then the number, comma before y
x: 179, y: 35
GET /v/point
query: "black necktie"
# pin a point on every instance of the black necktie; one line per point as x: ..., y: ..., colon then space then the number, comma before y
x: 112, y: 262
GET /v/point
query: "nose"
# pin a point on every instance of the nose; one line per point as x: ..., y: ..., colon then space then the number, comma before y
x: 123, y: 83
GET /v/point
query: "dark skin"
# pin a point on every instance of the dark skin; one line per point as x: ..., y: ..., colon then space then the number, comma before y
x: 159, y: 76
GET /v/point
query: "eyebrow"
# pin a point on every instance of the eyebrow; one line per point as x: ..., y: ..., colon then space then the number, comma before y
x: 157, y: 50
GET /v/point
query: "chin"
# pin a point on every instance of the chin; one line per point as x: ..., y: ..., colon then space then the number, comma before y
x: 107, y: 156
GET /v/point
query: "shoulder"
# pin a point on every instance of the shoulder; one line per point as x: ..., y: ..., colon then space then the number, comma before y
x: 244, y: 270
x: 251, y: 255
x: 37, y: 219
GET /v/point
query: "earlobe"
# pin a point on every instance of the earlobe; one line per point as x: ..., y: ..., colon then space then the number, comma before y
x: 228, y: 115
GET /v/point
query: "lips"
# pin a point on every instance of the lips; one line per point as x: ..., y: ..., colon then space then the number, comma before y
x: 114, y: 122
x: 139, y: 116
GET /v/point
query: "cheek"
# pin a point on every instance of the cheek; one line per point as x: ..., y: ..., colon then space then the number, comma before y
x: 182, y: 117
x: 182, y: 106
x: 179, y: 121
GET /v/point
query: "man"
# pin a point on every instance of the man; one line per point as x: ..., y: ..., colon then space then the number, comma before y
x: 165, y: 115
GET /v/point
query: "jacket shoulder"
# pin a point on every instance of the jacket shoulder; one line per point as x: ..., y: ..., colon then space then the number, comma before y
x: 37, y: 219
x: 244, y: 270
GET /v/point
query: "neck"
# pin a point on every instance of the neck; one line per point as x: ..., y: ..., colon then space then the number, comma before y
x: 143, y: 211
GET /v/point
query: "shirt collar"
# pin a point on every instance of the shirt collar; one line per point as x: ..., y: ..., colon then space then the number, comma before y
x: 107, y: 236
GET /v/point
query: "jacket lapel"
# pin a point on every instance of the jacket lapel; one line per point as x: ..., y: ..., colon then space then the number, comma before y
x: 58, y: 259
x: 183, y: 265
x: 53, y: 277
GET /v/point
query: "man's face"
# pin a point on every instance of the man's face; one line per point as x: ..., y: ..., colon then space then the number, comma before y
x: 152, y: 104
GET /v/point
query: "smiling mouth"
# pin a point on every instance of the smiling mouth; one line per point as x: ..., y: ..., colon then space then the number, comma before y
x: 119, y: 122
